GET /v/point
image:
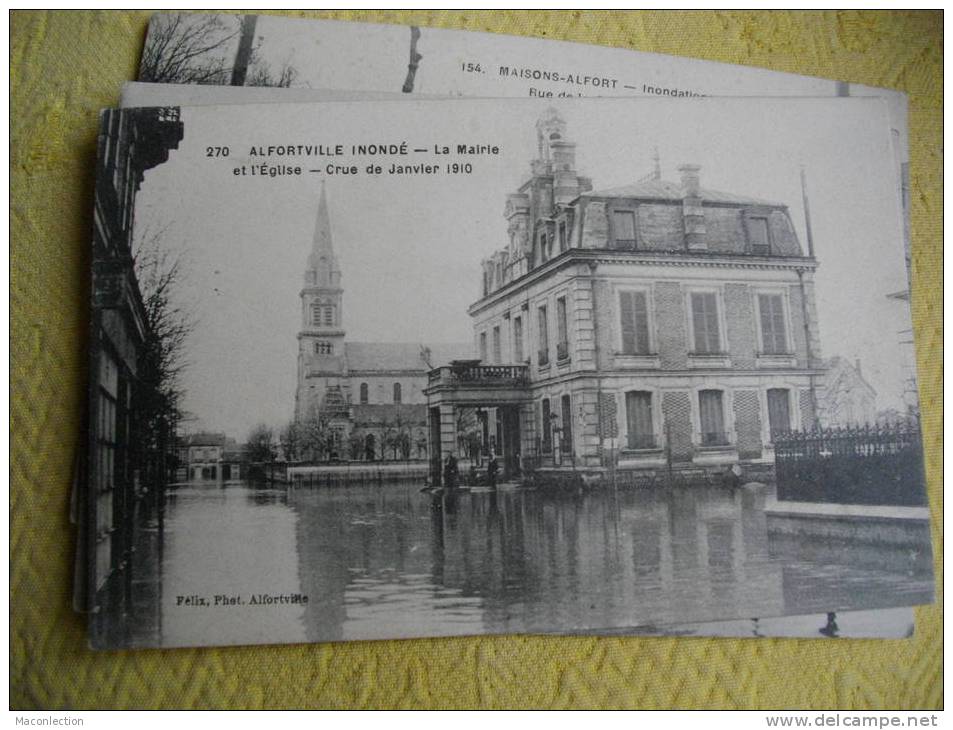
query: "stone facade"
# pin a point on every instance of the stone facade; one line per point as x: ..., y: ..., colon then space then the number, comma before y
x: 687, y: 313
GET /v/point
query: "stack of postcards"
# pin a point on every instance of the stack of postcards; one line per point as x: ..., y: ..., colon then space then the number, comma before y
x: 404, y: 332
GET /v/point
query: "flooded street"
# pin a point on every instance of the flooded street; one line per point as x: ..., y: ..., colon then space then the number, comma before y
x: 244, y: 564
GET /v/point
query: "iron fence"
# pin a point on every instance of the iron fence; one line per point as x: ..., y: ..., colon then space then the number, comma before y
x: 870, y: 465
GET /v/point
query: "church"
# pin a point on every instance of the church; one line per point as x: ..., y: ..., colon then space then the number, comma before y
x: 367, y: 396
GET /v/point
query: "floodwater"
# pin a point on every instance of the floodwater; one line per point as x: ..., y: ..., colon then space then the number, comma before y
x: 248, y: 564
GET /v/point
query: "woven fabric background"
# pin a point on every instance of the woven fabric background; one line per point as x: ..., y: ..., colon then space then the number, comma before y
x: 66, y: 65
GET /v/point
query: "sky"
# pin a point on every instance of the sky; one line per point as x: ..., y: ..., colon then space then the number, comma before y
x: 410, y: 247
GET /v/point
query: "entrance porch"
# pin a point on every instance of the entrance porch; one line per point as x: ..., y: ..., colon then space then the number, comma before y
x: 499, y: 399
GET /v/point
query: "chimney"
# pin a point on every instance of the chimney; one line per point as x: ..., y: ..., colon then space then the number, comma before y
x: 692, y: 213
x: 690, y: 179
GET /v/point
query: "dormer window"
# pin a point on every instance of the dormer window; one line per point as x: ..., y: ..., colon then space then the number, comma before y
x: 759, y: 240
x: 623, y: 229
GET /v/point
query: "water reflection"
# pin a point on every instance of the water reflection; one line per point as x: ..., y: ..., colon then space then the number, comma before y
x: 390, y: 561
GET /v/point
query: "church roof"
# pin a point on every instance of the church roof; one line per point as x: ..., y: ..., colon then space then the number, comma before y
x: 662, y: 190
x: 403, y: 355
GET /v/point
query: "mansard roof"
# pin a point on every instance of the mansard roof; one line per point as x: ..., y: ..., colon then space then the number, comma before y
x: 387, y: 356
x: 664, y: 190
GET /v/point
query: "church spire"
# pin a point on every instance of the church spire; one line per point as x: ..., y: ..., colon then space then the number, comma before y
x: 323, y: 269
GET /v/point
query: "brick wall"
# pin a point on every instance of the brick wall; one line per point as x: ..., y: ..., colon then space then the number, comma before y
x: 676, y: 411
x: 671, y: 333
x: 748, y: 423
x: 742, y: 330
x: 806, y: 404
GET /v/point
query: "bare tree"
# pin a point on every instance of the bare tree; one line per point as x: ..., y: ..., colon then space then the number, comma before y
x: 187, y: 49
x: 169, y: 324
x: 290, y: 440
x: 261, y: 444
x: 198, y: 49
x: 261, y: 75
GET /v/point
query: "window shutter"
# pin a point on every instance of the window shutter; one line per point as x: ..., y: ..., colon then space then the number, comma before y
x: 627, y: 312
x: 705, y: 322
x: 641, y: 315
x: 639, y: 416
x: 779, y: 411
x: 772, y: 323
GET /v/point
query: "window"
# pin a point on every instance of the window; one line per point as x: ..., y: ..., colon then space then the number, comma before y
x: 705, y: 322
x: 483, y: 346
x: 396, y: 392
x: 779, y: 411
x: 565, y: 443
x: 712, y: 418
x: 497, y: 354
x: 323, y: 348
x: 315, y: 313
x: 773, y: 335
x: 547, y: 427
x: 543, y: 251
x: 623, y: 229
x: 563, y: 239
x: 328, y: 315
x: 562, y: 330
x: 518, y: 339
x: 634, y: 315
x: 638, y: 413
x: 364, y: 396
x: 543, y: 336
x: 758, y: 235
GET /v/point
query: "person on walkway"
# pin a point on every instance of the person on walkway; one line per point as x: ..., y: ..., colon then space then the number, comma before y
x: 450, y: 471
x: 491, y: 469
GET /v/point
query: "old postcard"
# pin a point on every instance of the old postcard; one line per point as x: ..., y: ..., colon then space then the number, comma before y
x: 673, y: 394
x: 884, y: 623
x: 295, y: 53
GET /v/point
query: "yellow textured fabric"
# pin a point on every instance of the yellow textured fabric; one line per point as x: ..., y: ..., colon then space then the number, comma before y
x: 66, y: 65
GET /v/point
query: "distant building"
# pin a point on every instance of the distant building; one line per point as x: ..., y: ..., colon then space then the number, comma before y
x: 209, y: 456
x: 846, y: 399
x: 368, y: 395
x: 661, y: 320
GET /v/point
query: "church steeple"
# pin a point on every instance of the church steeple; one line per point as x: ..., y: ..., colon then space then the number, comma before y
x: 321, y: 337
x: 323, y: 269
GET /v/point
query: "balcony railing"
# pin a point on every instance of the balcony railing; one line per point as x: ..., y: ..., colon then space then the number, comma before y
x: 490, y: 375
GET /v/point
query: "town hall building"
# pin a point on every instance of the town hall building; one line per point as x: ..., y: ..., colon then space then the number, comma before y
x: 368, y: 394
x: 655, y: 323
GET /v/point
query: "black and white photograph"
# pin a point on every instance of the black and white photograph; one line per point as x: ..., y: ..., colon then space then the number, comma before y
x: 387, y: 369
